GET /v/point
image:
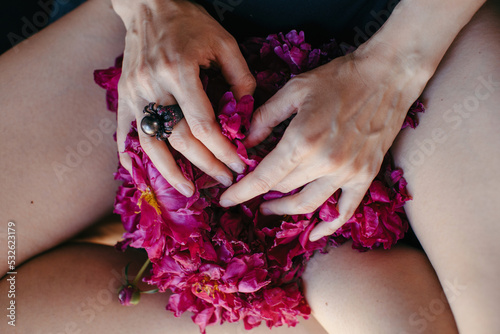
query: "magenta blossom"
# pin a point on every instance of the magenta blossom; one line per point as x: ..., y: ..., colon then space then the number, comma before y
x: 234, y: 264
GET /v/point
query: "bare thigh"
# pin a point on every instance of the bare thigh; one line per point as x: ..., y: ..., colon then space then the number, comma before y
x: 379, y: 291
x: 57, y: 154
x: 452, y: 163
x: 73, y: 289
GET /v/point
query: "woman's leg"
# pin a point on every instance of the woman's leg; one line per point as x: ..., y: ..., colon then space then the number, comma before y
x: 379, y: 291
x: 57, y: 154
x: 452, y: 164
x: 73, y: 289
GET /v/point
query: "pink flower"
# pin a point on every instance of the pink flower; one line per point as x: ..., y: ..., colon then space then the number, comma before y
x: 108, y: 79
x: 411, y: 119
x: 227, y: 265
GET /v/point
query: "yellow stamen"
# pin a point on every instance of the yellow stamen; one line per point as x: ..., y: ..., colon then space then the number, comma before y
x: 210, y: 289
x: 149, y: 197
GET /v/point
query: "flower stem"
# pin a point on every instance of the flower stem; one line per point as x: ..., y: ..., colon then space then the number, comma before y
x: 141, y: 271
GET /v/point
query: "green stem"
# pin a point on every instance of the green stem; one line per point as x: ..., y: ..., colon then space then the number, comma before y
x: 151, y: 291
x: 139, y: 274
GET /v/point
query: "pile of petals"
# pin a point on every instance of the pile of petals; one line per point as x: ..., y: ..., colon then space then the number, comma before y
x: 228, y: 265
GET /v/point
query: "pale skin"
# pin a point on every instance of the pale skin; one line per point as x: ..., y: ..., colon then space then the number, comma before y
x: 348, y: 113
x: 164, y: 52
x: 456, y: 222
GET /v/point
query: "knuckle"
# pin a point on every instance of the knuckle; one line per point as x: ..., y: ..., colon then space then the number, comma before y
x: 282, y: 187
x: 201, y: 129
x: 171, y: 67
x: 304, y: 207
x: 229, y: 41
x: 298, y: 84
x: 248, y: 82
x: 338, y: 158
x: 308, y: 144
x: 298, y: 152
x: 178, y: 142
x: 295, y: 82
x: 236, y: 196
x: 259, y: 116
x: 262, y: 184
x: 223, y: 155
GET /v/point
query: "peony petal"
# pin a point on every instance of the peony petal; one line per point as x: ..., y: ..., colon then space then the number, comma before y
x: 228, y: 265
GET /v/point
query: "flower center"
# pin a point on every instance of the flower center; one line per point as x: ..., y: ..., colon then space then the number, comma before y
x: 208, y: 287
x: 150, y: 197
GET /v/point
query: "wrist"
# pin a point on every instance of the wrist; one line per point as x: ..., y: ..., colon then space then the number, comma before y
x: 133, y: 10
x: 386, y: 65
x: 129, y: 10
x: 417, y: 35
x: 125, y: 9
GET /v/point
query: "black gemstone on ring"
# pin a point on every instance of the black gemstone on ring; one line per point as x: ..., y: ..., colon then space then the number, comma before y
x: 160, y: 120
x: 150, y: 125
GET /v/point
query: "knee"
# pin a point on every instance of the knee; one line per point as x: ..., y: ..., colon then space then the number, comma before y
x: 377, y: 291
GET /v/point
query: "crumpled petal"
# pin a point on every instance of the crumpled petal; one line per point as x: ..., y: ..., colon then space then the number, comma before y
x: 228, y: 265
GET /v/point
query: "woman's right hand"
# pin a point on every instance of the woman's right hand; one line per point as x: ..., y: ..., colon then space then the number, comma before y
x: 167, y: 42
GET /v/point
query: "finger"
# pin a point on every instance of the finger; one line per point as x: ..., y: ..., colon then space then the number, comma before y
x: 125, y: 118
x: 306, y: 201
x: 270, y: 114
x: 201, y: 120
x: 301, y: 175
x: 349, y: 201
x: 235, y: 70
x: 184, y: 142
x: 162, y: 159
x: 268, y: 173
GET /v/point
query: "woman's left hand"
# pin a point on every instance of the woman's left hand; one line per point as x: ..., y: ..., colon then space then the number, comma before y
x: 349, y: 112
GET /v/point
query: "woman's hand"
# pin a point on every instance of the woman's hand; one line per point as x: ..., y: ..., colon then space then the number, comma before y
x: 166, y: 44
x: 349, y: 112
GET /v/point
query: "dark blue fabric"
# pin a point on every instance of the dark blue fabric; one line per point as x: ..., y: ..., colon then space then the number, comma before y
x: 352, y: 21
x: 63, y: 8
x: 343, y: 19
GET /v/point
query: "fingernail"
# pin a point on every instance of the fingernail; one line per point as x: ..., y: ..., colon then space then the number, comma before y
x: 266, y: 211
x: 226, y: 203
x: 224, y: 180
x: 185, y: 190
x: 315, y: 236
x: 237, y: 167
